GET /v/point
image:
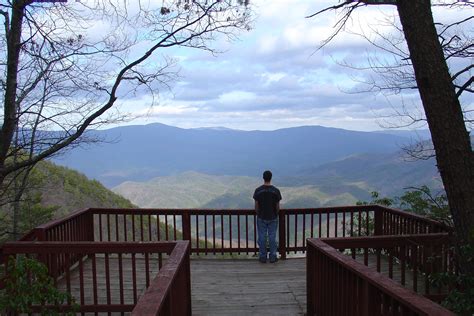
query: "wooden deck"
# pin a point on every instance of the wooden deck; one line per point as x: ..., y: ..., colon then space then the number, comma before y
x: 220, y: 286
x: 248, y: 287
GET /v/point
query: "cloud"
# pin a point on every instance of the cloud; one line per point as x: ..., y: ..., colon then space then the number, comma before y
x: 274, y: 76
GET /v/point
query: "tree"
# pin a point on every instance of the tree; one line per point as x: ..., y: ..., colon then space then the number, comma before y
x: 65, y: 65
x: 451, y: 141
x: 391, y: 72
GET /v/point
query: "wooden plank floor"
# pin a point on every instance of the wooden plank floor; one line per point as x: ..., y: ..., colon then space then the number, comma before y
x: 222, y: 286
x: 248, y: 287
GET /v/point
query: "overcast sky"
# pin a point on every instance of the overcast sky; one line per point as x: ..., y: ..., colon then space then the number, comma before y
x: 274, y: 77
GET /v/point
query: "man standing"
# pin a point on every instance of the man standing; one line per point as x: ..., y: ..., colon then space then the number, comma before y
x: 267, y: 205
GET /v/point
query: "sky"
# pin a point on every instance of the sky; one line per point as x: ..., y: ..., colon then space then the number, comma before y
x: 274, y: 76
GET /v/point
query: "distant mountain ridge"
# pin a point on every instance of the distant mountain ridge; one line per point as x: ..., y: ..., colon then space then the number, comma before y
x: 341, y: 182
x: 139, y: 153
x: 388, y: 174
x: 197, y: 190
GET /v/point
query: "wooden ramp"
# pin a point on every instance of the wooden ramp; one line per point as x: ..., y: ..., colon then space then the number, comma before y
x: 248, y: 287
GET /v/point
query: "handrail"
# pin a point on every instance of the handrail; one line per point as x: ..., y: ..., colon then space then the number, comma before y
x: 339, y: 285
x: 384, y: 241
x: 56, y: 222
x: 110, y: 256
x: 404, y: 214
x: 413, y: 257
x: 85, y: 247
x: 232, y: 230
x: 170, y: 292
x: 227, y: 211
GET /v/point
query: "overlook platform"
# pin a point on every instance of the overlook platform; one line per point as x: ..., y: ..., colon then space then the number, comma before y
x: 360, y: 260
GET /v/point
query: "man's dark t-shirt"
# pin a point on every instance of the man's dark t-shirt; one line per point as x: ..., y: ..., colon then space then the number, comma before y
x: 267, y: 197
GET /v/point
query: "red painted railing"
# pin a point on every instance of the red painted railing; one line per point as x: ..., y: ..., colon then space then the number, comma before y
x: 391, y: 221
x: 234, y: 231
x: 413, y: 258
x: 170, y: 292
x: 231, y: 231
x: 339, y: 285
x: 115, y: 262
x: 220, y: 231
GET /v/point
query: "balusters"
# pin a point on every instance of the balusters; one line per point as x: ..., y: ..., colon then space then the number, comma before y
x: 197, y: 234
x: 205, y: 234
x: 174, y: 227
x: 214, y: 233
x: 81, y: 281
x: 238, y: 233
x: 247, y: 233
x: 222, y: 233
x: 121, y: 289
x: 94, y: 279
x: 344, y: 224
x: 327, y: 225
x: 296, y: 231
x: 319, y: 225
x: 150, y: 237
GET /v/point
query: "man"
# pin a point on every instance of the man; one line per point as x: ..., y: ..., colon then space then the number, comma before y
x: 267, y: 205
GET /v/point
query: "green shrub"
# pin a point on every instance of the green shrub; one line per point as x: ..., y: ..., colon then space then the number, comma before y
x: 27, y: 283
x: 460, y: 298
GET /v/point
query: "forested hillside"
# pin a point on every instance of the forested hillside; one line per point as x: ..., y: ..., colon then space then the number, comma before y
x: 71, y: 190
x: 52, y: 192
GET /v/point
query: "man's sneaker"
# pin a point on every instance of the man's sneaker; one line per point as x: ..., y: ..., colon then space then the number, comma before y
x: 262, y: 260
x: 273, y: 260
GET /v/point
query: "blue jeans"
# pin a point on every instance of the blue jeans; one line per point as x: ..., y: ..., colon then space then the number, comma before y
x: 265, y: 227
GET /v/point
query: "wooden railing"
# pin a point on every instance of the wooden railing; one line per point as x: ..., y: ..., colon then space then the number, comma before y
x: 339, y: 285
x: 389, y: 221
x: 216, y: 232
x: 408, y: 259
x: 170, y: 292
x: 232, y: 231
x: 113, y: 265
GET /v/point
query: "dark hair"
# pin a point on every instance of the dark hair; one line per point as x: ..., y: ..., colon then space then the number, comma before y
x: 267, y: 176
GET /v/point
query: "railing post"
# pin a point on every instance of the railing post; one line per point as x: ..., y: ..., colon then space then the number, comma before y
x: 310, y: 280
x: 378, y: 221
x: 90, y: 224
x: 40, y: 234
x: 281, y: 233
x: 186, y: 226
x: 188, y: 280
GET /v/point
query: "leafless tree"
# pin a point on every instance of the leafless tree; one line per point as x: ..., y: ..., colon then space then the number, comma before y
x: 389, y: 71
x: 66, y: 66
x: 441, y: 102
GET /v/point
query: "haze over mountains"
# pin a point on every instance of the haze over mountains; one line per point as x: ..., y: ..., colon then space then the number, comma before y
x: 139, y: 153
x: 163, y: 166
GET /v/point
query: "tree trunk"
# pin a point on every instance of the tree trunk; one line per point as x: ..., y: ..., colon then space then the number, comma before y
x: 10, y: 106
x: 451, y: 140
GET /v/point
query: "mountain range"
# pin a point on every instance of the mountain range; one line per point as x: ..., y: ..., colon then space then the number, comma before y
x: 342, y: 182
x: 141, y: 153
